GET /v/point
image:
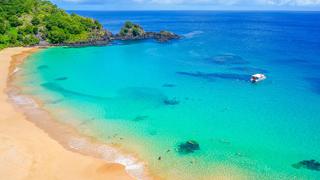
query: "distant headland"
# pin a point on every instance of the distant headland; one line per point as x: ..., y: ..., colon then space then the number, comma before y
x: 128, y: 32
x: 39, y: 22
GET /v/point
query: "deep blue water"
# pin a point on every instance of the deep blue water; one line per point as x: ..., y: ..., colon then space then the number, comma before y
x: 255, y: 131
x: 276, y: 37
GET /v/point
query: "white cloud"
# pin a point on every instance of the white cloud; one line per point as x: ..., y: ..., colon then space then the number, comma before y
x: 291, y: 2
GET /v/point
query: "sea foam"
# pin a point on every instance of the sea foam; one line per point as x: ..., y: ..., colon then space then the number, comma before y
x: 192, y: 34
x: 133, y: 166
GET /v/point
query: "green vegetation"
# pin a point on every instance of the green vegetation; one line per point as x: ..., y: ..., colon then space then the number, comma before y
x: 27, y: 22
x: 166, y: 33
x: 130, y: 29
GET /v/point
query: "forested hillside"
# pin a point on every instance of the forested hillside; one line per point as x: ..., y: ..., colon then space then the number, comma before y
x: 30, y: 22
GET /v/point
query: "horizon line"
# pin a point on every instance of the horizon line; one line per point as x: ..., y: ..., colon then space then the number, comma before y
x: 231, y: 10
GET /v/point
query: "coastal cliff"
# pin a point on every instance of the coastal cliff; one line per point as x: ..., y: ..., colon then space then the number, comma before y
x: 129, y: 32
x: 41, y: 23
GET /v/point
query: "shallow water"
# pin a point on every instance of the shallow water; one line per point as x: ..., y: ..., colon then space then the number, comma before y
x: 149, y: 97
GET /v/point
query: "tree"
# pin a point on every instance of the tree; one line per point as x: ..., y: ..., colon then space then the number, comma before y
x: 15, y: 21
x: 128, y: 24
x: 3, y: 39
x: 55, y: 24
x: 35, y: 21
x: 135, y: 31
x: 28, y: 29
x: 130, y: 29
x: 57, y: 36
x: 35, y: 30
x: 3, y: 26
x: 13, y: 38
x: 74, y: 29
x: 30, y: 40
x: 124, y: 31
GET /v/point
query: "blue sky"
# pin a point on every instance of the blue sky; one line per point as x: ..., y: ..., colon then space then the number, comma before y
x: 188, y: 4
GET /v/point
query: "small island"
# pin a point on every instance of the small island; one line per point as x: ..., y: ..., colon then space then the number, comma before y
x: 41, y: 23
x: 131, y: 31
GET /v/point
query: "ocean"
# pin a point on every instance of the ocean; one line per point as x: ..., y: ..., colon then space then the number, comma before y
x: 149, y: 98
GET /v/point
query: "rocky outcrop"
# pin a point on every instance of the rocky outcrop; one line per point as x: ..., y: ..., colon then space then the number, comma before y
x: 85, y: 43
x: 132, y: 31
x: 163, y: 36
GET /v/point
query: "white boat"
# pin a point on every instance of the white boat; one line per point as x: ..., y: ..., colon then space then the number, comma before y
x: 257, y: 78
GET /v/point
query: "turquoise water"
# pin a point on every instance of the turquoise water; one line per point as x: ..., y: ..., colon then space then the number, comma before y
x: 117, y: 94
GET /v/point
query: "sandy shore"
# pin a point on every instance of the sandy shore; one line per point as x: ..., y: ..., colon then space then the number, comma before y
x: 27, y: 152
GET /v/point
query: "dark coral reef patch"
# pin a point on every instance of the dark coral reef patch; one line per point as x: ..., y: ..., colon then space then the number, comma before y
x: 308, y: 164
x: 188, y: 147
x: 169, y: 85
x: 171, y: 102
x: 140, y: 118
x: 214, y: 76
x: 61, y: 78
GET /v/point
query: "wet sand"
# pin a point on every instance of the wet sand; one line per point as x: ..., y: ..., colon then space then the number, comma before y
x: 28, y: 152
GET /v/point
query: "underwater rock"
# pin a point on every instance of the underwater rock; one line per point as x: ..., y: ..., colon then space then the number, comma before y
x: 140, y: 118
x: 151, y: 96
x: 61, y: 79
x: 308, y: 164
x: 171, y: 102
x: 227, y: 59
x: 188, y: 147
x: 65, y: 92
x: 42, y: 67
x: 214, y: 76
x: 168, y: 85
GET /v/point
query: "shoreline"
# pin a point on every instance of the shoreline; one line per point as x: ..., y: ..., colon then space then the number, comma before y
x: 45, y: 156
